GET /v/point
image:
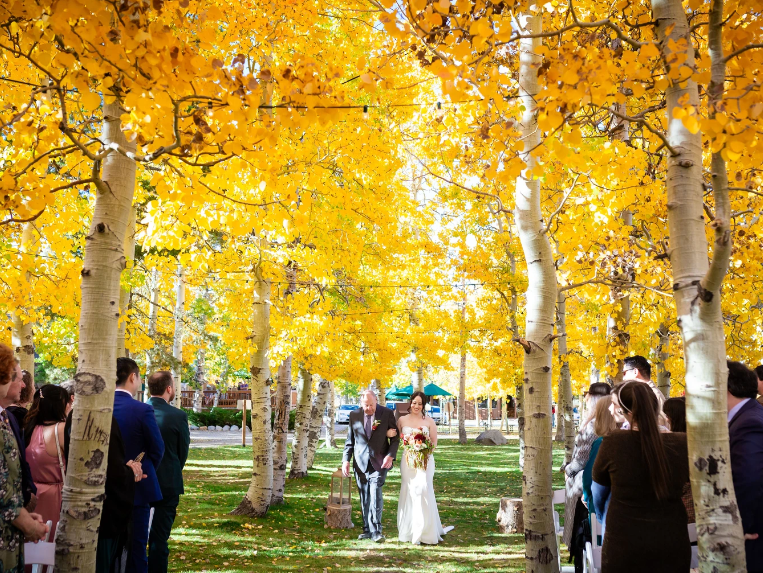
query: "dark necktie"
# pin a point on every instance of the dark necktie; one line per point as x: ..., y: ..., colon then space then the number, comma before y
x: 369, y: 426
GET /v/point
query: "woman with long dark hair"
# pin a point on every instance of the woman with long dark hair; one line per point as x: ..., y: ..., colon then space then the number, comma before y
x: 418, y: 520
x: 638, y: 478
x: 44, y: 436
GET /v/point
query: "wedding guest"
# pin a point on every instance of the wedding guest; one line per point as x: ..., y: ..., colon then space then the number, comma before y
x: 638, y: 479
x: 603, y: 425
x: 119, y: 493
x: 575, y: 511
x: 16, y: 523
x: 16, y: 389
x: 745, y: 419
x: 637, y: 369
x: 759, y: 374
x: 20, y: 406
x: 141, y: 435
x: 44, y: 437
x: 173, y: 424
x: 675, y: 411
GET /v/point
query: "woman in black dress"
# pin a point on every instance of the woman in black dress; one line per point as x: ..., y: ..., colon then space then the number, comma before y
x: 638, y: 477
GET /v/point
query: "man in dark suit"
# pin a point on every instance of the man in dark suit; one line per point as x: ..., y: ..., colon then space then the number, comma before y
x: 373, y: 451
x: 746, y: 438
x: 173, y: 424
x: 28, y: 488
x: 141, y: 435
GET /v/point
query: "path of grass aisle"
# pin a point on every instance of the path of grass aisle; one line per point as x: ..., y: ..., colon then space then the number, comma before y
x: 468, y: 482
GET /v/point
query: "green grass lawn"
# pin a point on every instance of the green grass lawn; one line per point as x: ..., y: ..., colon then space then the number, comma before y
x: 469, y: 482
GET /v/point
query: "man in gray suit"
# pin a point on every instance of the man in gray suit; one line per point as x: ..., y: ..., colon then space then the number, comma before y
x: 372, y: 443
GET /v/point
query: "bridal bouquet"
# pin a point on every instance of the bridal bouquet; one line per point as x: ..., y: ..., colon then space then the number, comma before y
x: 417, y: 447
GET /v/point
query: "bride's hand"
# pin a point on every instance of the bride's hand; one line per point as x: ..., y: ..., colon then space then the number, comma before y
x: 391, y: 433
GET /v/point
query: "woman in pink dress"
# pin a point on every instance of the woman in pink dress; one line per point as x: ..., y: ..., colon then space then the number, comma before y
x: 44, y: 437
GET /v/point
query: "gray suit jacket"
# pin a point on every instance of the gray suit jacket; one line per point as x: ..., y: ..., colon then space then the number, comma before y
x: 370, y: 451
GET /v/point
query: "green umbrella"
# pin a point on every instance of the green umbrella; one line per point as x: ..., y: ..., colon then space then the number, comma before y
x: 400, y: 393
x: 435, y: 390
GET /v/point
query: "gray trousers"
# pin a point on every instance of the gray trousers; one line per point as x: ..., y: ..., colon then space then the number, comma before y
x: 370, y: 485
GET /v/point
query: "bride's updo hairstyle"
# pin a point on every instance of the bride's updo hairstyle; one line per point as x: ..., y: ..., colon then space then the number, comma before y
x: 424, y: 400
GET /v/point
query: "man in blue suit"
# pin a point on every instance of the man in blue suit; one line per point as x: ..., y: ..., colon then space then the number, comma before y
x: 746, y: 436
x: 140, y: 433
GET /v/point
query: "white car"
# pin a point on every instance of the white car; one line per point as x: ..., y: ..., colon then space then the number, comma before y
x: 438, y: 415
x: 342, y: 415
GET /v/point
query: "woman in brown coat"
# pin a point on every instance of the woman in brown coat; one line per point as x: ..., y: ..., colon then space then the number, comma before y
x: 638, y: 477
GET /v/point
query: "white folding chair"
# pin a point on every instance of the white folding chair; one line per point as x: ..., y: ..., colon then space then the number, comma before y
x: 42, y: 553
x: 558, y: 498
x: 592, y: 548
x: 694, y: 549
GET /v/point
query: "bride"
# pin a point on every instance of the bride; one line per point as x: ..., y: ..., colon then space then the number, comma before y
x: 418, y: 520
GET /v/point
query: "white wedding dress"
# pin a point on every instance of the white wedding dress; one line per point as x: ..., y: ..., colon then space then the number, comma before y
x: 418, y: 520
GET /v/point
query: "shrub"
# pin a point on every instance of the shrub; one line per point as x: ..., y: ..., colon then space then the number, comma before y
x: 225, y: 417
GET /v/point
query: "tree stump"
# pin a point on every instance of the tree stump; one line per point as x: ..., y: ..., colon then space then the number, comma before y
x: 338, y: 517
x: 509, y: 518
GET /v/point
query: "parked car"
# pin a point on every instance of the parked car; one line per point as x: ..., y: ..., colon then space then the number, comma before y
x: 342, y: 415
x: 438, y: 415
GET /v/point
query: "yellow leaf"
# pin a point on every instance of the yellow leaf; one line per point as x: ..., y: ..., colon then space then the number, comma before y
x: 90, y: 100
x: 418, y: 5
x: 691, y: 124
x: 649, y: 50
x: 570, y: 77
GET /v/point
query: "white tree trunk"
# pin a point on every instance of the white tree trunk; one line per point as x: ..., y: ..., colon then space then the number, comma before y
x: 258, y: 497
x: 82, y: 496
x: 564, y: 407
x: 125, y: 293
x: 316, y: 420
x: 662, y: 374
x: 330, y: 434
x: 519, y: 400
x: 23, y: 329
x: 301, y: 425
x: 696, y: 291
x: 540, y: 538
x: 418, y: 379
x: 489, y: 411
x: 462, y: 398
x: 379, y: 390
x: 153, y: 315
x: 177, y: 342
x: 281, y: 430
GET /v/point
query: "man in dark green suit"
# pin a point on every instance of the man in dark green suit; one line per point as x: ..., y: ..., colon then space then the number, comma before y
x: 173, y: 424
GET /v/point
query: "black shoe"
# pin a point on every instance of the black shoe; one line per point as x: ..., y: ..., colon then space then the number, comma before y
x: 379, y: 538
x: 364, y: 536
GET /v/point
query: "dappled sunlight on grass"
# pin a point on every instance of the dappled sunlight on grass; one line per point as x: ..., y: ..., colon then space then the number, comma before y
x: 469, y: 482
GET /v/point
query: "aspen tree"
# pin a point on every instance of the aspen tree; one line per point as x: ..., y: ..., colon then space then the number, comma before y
x: 23, y: 328
x: 696, y: 290
x: 540, y: 538
x: 662, y: 374
x: 330, y: 437
x: 301, y: 425
x: 564, y: 406
x: 462, y: 377
x: 125, y: 291
x: 260, y: 492
x: 316, y: 420
x: 153, y: 315
x: 82, y: 496
x: 281, y: 430
x: 177, y: 341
